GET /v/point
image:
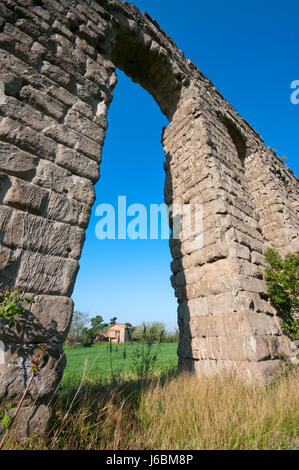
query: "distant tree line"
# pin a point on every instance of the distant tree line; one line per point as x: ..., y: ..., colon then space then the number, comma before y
x: 156, y: 330
x: 81, y: 334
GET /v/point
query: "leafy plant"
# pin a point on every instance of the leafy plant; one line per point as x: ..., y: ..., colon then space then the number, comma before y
x: 146, y: 355
x: 282, y: 278
x: 5, y: 419
x: 283, y: 159
x: 11, y: 304
x: 87, y: 338
x: 11, y: 301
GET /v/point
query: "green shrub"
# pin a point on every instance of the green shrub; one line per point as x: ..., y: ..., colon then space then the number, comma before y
x: 282, y: 278
x: 11, y: 304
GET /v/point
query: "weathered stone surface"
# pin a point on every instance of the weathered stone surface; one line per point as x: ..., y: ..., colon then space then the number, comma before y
x: 47, y: 319
x: 25, y: 196
x: 46, y: 274
x: 78, y: 164
x: 25, y: 114
x: 27, y: 139
x: 240, y: 348
x: 51, y: 238
x: 70, y: 138
x: 30, y: 420
x: 54, y: 177
x: 15, y: 373
x: 57, y: 62
x: 252, y: 372
x: 44, y: 103
x: 12, y: 83
x: 14, y: 161
x: 67, y: 210
x: 9, y: 265
x: 231, y: 324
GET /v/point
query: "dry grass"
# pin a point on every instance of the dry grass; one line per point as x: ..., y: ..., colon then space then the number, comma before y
x: 182, y: 412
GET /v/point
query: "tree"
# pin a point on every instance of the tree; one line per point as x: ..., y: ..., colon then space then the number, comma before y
x: 113, y: 320
x: 153, y: 330
x: 77, y: 329
x: 87, y: 338
x: 282, y: 278
x: 97, y: 323
x: 172, y: 337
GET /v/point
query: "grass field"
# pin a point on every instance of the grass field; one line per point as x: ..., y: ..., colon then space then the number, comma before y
x: 102, y: 364
x: 111, y: 409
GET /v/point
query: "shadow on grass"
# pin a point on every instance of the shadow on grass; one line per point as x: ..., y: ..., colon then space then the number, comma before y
x: 96, y: 402
x: 122, y: 385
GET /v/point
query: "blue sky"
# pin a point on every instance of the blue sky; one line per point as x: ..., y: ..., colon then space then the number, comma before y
x: 250, y: 52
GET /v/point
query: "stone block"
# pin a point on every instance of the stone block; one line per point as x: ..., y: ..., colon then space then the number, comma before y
x: 259, y: 373
x: 57, y: 74
x: 14, y: 161
x: 58, y: 179
x: 43, y: 102
x: 12, y: 82
x: 15, y: 373
x: 41, y: 235
x: 25, y: 114
x: 67, y: 210
x: 71, y: 138
x: 46, y: 274
x: 27, y: 139
x: 77, y: 163
x: 47, y: 319
x: 30, y: 420
x: 84, y: 126
x: 9, y: 265
x: 25, y: 196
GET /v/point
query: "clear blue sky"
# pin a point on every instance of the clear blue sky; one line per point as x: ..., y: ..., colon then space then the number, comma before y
x: 250, y: 52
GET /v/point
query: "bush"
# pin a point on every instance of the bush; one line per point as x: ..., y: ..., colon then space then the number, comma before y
x: 282, y: 278
x: 146, y: 357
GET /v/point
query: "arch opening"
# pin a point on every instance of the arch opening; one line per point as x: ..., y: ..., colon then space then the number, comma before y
x: 146, y: 62
x: 131, y: 168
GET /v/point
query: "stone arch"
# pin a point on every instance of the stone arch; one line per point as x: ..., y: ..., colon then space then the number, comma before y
x: 237, y: 138
x: 57, y: 62
x: 145, y: 62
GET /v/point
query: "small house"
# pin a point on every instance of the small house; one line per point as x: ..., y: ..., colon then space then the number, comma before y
x: 100, y: 336
x: 118, y: 333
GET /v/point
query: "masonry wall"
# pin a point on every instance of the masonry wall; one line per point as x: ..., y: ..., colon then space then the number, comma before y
x: 58, y: 62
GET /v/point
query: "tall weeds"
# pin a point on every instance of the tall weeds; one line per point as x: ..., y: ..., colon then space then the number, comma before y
x: 175, y: 412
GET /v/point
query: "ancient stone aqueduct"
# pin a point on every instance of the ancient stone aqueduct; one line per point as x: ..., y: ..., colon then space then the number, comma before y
x: 58, y: 63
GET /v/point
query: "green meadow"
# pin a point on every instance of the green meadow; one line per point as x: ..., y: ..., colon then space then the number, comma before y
x: 101, y: 404
x: 101, y: 362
